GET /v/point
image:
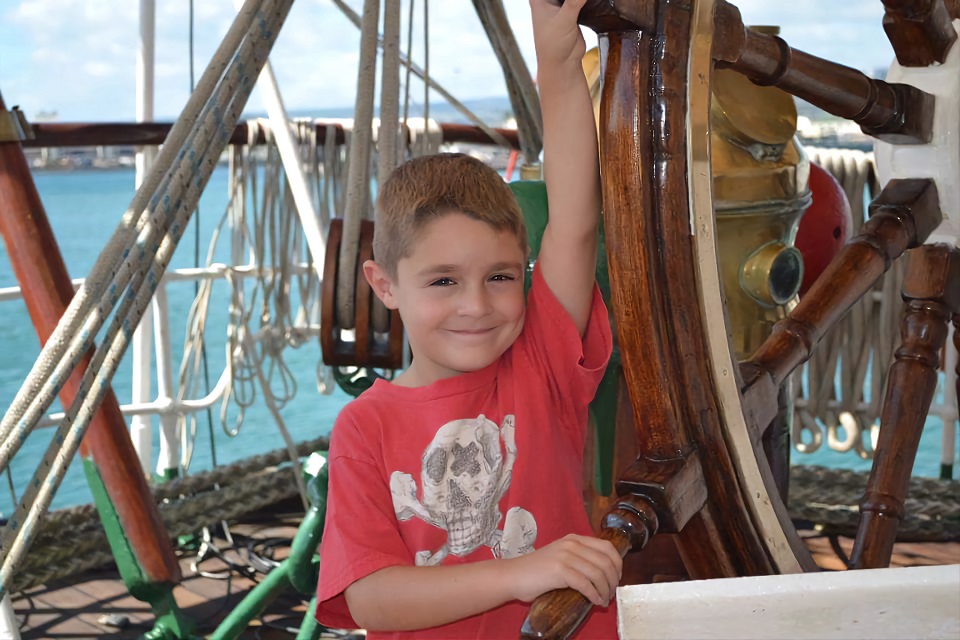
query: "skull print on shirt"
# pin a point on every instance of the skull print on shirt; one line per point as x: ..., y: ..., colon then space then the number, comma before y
x: 463, y: 477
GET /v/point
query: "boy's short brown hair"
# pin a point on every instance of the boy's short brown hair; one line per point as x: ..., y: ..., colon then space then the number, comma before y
x: 429, y: 187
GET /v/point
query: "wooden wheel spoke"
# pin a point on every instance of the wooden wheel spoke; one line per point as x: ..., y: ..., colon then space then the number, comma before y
x: 902, y: 217
x: 629, y: 525
x: 919, y: 31
x: 657, y: 496
x: 894, y: 113
x: 931, y: 294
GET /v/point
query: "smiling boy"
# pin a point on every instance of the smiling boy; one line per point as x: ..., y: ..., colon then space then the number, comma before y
x: 455, y: 493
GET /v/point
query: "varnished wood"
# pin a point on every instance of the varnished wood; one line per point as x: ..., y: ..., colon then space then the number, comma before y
x: 902, y: 216
x: 364, y: 296
x: 956, y: 346
x: 557, y: 614
x: 368, y: 349
x: 931, y: 293
x: 88, y: 134
x: 654, y: 282
x: 330, y: 339
x: 894, y: 113
x: 919, y: 31
x: 776, y: 440
x: 605, y: 16
x: 47, y: 291
x: 674, y: 487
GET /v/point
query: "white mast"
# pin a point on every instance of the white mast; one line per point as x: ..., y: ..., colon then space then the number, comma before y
x: 140, y: 425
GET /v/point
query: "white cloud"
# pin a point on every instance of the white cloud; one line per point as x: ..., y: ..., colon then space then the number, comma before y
x: 81, y: 53
x: 99, y: 69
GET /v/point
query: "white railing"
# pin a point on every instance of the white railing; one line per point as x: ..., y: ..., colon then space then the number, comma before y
x: 165, y: 404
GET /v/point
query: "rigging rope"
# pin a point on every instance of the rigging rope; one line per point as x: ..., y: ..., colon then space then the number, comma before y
x: 388, y: 147
x: 520, y: 85
x: 426, y: 68
x: 358, y: 180
x: 87, y: 310
x: 420, y: 73
x: 170, y: 211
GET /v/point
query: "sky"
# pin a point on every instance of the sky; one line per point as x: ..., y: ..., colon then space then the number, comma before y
x: 78, y: 57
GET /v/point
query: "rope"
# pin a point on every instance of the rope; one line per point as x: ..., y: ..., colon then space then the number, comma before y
x: 210, y: 138
x: 406, y: 82
x: 840, y: 405
x: 358, y: 182
x: 73, y: 540
x: 420, y: 73
x: 110, y: 266
x: 426, y: 66
x: 388, y: 147
x: 520, y: 86
x: 426, y: 136
x: 275, y: 243
x: 194, y: 167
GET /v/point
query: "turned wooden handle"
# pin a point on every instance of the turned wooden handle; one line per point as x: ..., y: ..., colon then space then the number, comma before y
x: 556, y: 614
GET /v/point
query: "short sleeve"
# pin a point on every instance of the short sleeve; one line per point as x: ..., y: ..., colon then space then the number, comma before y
x: 360, y: 535
x: 575, y: 363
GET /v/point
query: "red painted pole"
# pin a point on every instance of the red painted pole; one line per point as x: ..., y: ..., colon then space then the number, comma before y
x: 47, y: 291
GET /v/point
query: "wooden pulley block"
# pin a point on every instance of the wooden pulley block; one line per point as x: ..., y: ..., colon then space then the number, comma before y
x: 368, y: 349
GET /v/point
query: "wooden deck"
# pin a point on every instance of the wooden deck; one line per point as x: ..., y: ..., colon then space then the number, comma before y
x: 96, y: 603
x: 91, y: 605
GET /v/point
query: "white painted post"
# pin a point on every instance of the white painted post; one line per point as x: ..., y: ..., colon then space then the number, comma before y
x: 168, y: 463
x: 141, y: 430
x: 9, y: 629
x: 950, y: 413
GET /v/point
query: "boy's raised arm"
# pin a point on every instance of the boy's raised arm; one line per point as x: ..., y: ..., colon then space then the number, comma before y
x: 568, y: 252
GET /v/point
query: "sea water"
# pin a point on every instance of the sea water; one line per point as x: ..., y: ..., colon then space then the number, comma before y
x: 84, y: 208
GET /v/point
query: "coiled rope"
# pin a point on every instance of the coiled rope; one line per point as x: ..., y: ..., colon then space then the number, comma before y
x: 144, y: 262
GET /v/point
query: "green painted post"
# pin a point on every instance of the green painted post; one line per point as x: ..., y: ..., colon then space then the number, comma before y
x: 253, y: 604
x: 170, y: 623
x: 310, y: 629
x: 299, y: 570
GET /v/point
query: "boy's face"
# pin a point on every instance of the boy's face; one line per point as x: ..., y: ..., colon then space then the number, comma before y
x: 460, y: 294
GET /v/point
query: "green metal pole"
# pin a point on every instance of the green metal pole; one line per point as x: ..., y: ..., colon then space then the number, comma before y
x: 253, y: 605
x: 310, y: 629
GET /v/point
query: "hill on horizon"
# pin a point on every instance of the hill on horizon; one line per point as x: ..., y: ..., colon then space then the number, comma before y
x: 493, y: 110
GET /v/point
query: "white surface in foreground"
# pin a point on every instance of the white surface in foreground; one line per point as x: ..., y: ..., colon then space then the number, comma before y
x: 914, y: 602
x: 940, y: 159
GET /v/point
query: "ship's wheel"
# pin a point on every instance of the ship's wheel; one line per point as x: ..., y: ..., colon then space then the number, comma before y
x: 700, y: 416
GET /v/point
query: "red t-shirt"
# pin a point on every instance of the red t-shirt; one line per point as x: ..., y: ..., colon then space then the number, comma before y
x: 486, y: 464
